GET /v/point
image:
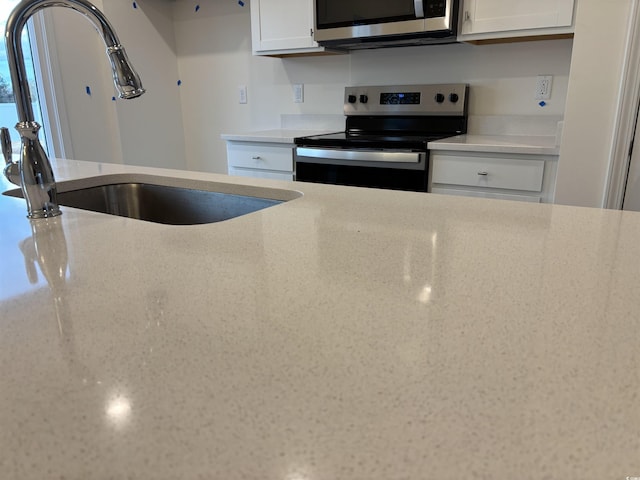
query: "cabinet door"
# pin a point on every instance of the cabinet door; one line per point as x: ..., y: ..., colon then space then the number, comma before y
x: 483, y: 16
x: 282, y: 24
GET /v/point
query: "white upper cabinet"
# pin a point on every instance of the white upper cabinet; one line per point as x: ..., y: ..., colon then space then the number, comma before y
x: 282, y: 27
x: 487, y: 19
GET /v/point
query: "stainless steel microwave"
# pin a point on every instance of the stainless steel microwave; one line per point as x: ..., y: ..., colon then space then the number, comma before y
x: 353, y: 24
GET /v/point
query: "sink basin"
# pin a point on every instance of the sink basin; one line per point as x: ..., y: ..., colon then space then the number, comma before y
x: 166, y: 200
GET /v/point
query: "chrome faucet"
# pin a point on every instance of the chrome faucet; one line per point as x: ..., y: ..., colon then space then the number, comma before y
x: 33, y: 172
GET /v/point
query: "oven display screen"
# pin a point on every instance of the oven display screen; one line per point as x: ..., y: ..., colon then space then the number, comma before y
x: 407, y: 98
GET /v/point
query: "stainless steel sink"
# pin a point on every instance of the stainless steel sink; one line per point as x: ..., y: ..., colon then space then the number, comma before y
x: 167, y: 200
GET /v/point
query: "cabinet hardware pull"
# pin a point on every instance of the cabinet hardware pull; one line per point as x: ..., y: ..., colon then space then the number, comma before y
x: 257, y: 157
x: 467, y: 16
x: 483, y: 174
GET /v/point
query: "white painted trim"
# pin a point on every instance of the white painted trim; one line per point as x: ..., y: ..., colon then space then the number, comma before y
x: 49, y: 81
x: 625, y: 127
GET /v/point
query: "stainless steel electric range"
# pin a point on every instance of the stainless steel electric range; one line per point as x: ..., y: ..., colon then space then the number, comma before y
x: 385, y: 141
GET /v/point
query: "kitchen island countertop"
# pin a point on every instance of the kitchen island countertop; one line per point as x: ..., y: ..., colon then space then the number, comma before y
x: 349, y: 333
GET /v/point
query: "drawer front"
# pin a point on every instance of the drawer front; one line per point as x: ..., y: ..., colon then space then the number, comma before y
x: 260, y: 157
x: 512, y: 174
x: 244, y: 172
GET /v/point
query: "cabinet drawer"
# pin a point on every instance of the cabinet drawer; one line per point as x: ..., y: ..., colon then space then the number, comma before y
x: 260, y: 157
x: 512, y: 174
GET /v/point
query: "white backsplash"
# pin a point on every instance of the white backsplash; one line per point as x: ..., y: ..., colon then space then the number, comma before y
x: 534, y: 125
x: 311, y: 122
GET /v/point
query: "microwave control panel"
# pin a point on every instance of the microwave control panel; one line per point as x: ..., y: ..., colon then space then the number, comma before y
x: 435, y: 8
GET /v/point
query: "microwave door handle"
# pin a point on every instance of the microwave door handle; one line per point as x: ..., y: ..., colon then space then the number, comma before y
x: 419, y: 8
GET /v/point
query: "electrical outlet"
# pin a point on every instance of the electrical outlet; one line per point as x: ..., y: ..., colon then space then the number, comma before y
x: 298, y: 93
x: 242, y: 94
x: 543, y: 87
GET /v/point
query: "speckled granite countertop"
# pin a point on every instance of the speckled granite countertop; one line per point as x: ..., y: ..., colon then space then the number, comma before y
x: 271, y: 136
x: 519, y: 144
x: 348, y: 334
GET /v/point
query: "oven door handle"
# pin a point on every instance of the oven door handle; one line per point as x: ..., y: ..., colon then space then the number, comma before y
x: 384, y: 156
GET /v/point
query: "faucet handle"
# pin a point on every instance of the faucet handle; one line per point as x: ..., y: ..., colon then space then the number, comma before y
x: 12, y: 169
x: 7, y: 149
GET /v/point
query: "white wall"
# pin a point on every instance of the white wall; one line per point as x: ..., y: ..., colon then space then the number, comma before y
x: 144, y: 131
x: 94, y: 133
x: 502, y: 76
x: 214, y: 57
x: 151, y: 128
x: 592, y: 102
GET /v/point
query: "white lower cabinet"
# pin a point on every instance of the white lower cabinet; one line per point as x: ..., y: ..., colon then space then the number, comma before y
x: 528, y: 178
x: 260, y: 160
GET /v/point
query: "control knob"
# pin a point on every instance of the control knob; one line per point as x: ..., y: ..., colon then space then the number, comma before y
x: 439, y: 98
x: 351, y: 99
x: 453, y: 97
x: 364, y: 98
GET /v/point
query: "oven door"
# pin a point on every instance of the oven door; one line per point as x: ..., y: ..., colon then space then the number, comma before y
x: 390, y: 169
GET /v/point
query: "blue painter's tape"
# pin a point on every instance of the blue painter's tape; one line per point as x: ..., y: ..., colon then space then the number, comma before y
x: 179, y: 82
x: 135, y: 5
x: 542, y: 103
x: 88, y: 90
x: 241, y: 3
x: 197, y: 7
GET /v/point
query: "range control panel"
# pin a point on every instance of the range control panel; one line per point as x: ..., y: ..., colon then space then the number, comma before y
x: 441, y: 99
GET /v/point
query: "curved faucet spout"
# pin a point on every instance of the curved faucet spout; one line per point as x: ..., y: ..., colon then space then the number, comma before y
x: 125, y: 78
x: 36, y: 175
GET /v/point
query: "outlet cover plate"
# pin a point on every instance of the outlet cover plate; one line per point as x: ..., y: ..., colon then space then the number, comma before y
x: 242, y: 94
x: 298, y: 93
x: 543, y: 87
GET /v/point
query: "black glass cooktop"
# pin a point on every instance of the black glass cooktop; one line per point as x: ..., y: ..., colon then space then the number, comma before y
x: 389, y: 132
x: 369, y: 140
